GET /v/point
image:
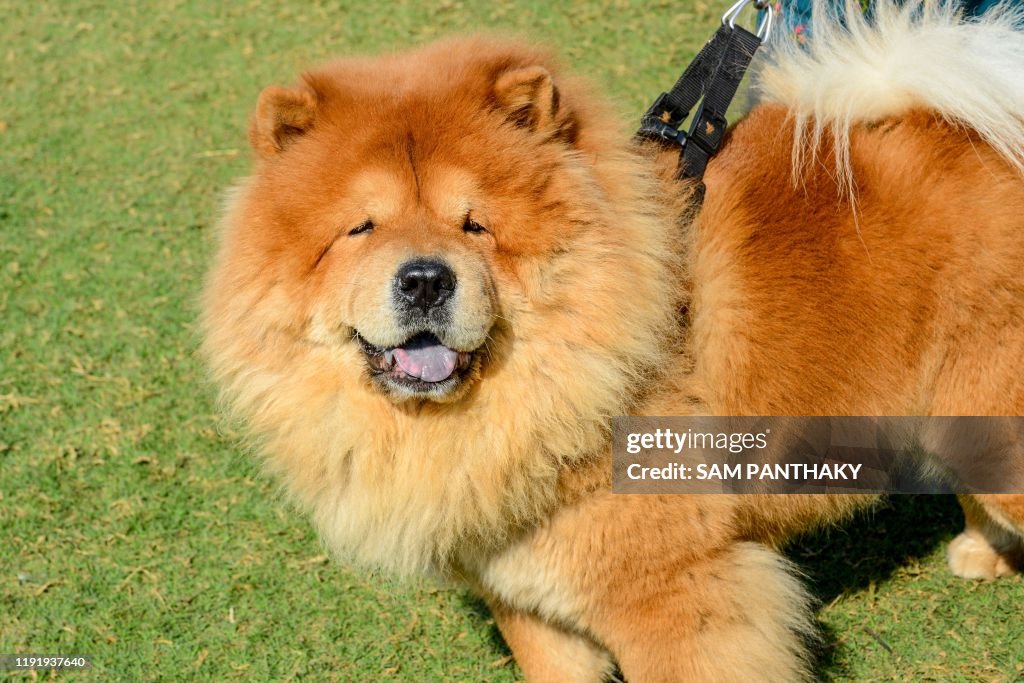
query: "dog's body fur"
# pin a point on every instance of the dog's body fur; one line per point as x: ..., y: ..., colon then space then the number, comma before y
x: 909, y: 302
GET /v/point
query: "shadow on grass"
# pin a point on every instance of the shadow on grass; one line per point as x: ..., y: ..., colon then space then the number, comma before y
x: 867, y: 550
x: 478, y: 608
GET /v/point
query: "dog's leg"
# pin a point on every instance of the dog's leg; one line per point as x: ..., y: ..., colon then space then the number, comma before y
x: 738, y: 615
x: 664, y: 584
x: 988, y: 455
x: 992, y: 542
x: 549, y: 654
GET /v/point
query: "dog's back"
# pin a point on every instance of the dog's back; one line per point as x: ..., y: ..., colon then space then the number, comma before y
x: 861, y: 248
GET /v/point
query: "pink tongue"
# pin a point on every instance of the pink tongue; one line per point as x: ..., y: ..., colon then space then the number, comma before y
x: 430, y: 362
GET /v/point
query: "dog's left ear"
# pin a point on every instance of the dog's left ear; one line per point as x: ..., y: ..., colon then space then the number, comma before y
x: 530, y: 99
x: 282, y: 116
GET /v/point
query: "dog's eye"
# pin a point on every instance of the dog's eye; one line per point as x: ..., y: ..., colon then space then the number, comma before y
x: 472, y: 226
x: 365, y: 226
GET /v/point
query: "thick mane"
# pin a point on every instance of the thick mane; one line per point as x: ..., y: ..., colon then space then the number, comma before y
x: 587, y: 318
x: 922, y: 55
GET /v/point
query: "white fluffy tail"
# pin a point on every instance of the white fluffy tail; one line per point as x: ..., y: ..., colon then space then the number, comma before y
x: 922, y: 53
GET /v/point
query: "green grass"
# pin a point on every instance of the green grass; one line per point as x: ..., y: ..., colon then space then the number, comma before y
x: 131, y: 526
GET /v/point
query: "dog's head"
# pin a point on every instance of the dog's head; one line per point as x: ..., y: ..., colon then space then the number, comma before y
x: 446, y: 249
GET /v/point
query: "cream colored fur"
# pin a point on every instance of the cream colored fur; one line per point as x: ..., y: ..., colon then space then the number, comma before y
x: 916, y: 55
x: 402, y: 488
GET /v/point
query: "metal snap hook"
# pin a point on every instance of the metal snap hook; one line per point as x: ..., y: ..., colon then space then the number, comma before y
x: 764, y: 28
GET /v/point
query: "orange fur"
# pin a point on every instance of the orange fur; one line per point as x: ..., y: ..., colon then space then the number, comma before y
x: 569, y: 302
x: 415, y: 142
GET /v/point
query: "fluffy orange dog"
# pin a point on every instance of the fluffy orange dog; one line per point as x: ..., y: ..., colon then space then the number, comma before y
x: 450, y: 268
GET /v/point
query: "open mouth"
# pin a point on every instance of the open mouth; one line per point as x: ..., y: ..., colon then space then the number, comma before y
x: 422, y: 364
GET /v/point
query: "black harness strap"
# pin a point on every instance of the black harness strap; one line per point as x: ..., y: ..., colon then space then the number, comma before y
x: 663, y: 118
x: 714, y: 75
x: 709, y: 125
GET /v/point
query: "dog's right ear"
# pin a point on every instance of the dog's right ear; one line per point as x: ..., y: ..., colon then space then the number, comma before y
x: 529, y: 98
x: 282, y: 116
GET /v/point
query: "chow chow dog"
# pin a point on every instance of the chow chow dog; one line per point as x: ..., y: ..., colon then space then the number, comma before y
x: 452, y: 266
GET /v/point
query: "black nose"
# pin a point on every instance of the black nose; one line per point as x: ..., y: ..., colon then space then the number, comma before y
x: 424, y: 284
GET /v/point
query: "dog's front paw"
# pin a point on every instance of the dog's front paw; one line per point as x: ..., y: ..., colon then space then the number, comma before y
x: 971, y: 556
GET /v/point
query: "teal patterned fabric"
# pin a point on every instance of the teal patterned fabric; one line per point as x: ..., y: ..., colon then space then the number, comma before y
x: 795, y: 15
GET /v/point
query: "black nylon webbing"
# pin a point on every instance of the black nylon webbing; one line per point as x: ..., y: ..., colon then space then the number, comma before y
x: 709, y: 124
x: 663, y: 118
x: 714, y: 75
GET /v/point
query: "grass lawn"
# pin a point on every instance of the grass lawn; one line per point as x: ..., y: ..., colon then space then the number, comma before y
x: 132, y: 528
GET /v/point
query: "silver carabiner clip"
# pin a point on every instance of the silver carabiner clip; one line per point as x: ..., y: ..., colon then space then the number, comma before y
x: 764, y: 28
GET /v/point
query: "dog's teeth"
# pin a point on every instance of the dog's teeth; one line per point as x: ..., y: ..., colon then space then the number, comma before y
x: 389, y: 359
